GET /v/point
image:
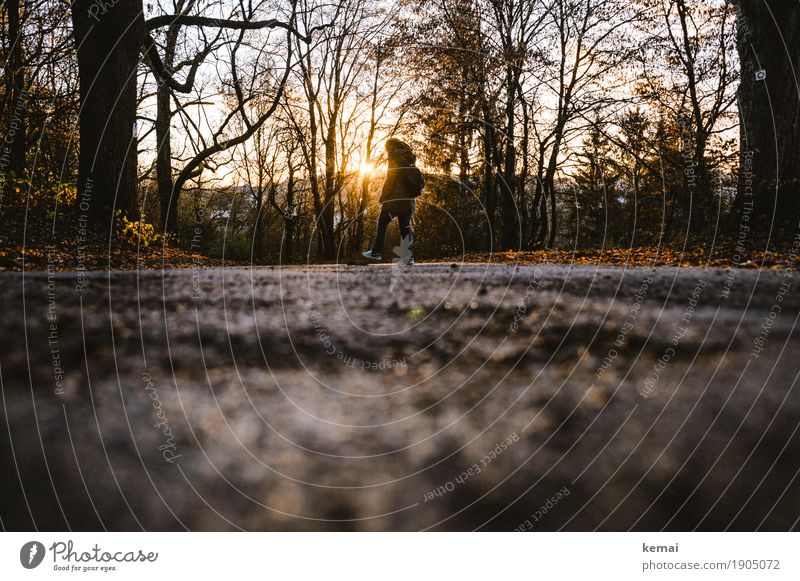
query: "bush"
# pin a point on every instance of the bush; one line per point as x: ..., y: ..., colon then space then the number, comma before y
x: 139, y: 232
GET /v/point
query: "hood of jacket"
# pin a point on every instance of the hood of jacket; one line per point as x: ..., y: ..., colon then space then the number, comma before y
x: 400, y: 153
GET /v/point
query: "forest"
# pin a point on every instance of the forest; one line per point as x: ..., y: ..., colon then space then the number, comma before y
x: 591, y: 327
x: 256, y: 130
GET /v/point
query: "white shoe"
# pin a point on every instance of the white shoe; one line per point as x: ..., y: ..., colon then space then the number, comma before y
x: 371, y: 256
x: 406, y: 261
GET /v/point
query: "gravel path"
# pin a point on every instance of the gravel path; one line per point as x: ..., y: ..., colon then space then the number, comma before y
x: 443, y: 397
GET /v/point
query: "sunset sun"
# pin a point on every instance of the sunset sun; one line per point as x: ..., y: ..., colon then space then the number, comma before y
x: 366, y: 168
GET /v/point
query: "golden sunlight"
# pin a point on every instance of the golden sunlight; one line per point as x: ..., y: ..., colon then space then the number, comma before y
x: 365, y: 168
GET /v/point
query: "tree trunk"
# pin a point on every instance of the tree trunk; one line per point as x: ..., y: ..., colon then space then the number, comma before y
x: 550, y: 187
x: 108, y: 54
x: 358, y: 241
x: 489, y: 200
x: 508, y: 238
x: 169, y: 206
x: 164, y: 178
x: 523, y: 176
x: 309, y: 150
x: 326, y: 217
x: 289, y: 221
x: 310, y: 155
x: 544, y: 222
x: 259, y: 248
x: 632, y: 208
x: 540, y: 221
x: 768, y: 41
x: 554, y: 220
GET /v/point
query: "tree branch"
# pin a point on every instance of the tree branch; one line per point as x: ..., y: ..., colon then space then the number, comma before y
x: 192, y: 20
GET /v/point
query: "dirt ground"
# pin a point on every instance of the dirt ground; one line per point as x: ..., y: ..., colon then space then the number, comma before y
x: 441, y: 397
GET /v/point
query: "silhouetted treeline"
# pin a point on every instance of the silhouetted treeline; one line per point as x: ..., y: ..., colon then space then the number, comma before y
x: 257, y: 130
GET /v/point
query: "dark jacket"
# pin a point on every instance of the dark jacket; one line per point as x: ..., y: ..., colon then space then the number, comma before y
x: 400, y: 157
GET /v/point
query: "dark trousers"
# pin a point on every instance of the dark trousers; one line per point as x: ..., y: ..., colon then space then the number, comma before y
x: 404, y: 212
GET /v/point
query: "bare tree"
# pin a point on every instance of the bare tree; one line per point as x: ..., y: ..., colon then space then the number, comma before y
x: 457, y: 96
x: 584, y: 53
x: 329, y: 78
x: 109, y: 41
x: 269, y: 164
x: 165, y: 93
x: 517, y: 23
x: 689, y: 69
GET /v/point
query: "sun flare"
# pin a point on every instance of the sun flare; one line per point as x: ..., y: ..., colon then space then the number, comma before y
x: 366, y: 168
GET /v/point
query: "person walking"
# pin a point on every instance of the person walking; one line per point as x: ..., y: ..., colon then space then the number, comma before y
x: 404, y: 183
